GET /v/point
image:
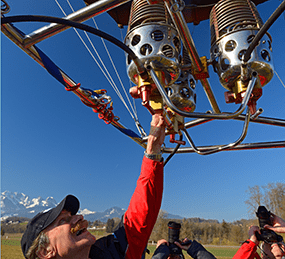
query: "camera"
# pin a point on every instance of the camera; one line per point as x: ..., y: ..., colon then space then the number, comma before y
x: 264, y: 216
x: 266, y: 235
x: 173, y: 236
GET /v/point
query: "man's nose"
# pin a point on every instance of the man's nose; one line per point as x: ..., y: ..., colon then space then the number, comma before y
x: 76, y: 218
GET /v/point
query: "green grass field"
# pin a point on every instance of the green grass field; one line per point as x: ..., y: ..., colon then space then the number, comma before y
x: 219, y: 252
x: 10, y: 248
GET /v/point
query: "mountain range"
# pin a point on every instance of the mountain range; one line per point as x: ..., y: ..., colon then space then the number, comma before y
x: 21, y: 205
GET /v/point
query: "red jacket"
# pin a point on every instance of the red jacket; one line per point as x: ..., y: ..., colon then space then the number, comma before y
x: 144, y: 207
x: 131, y: 236
x: 247, y: 251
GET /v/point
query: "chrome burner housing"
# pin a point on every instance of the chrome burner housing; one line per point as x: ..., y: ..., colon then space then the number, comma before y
x: 153, y: 37
x: 183, y: 94
x: 234, y: 24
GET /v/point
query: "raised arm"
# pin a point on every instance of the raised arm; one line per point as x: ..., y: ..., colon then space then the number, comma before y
x: 145, y: 203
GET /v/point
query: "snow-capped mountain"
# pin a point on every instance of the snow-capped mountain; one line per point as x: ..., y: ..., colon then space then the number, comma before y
x: 21, y: 205
x: 114, y: 212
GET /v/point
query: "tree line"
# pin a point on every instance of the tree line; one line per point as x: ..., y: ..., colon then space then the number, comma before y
x: 205, y: 232
x: 272, y: 196
x: 13, y: 228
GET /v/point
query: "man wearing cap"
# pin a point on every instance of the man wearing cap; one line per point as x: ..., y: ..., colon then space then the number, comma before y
x: 60, y: 233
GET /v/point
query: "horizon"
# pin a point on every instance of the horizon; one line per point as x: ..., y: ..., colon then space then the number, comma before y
x: 81, y: 210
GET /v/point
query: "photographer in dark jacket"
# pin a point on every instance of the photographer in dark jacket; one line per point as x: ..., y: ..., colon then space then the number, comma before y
x: 173, y: 247
x: 193, y: 248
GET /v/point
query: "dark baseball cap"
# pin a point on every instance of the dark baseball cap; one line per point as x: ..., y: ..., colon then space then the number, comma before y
x: 43, y: 219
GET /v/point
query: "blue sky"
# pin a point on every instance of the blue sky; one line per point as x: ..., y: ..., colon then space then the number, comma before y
x: 53, y: 145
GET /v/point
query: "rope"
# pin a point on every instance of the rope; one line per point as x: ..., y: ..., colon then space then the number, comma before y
x: 106, y: 73
x: 119, y: 78
x: 105, y: 70
x: 279, y: 79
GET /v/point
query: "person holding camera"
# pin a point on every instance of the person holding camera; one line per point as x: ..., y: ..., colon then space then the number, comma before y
x: 249, y: 247
x: 193, y: 248
x: 276, y: 249
x: 272, y: 247
x: 172, y: 248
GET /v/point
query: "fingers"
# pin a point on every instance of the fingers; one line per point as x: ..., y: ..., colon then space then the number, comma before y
x: 157, y: 125
x: 160, y: 242
x: 276, y: 229
x: 184, y: 247
x: 267, y: 250
x: 156, y: 118
x: 252, y: 234
x: 276, y: 251
x: 253, y: 229
x: 178, y: 244
x: 268, y: 227
x: 279, y: 221
x: 157, y: 121
x: 156, y: 135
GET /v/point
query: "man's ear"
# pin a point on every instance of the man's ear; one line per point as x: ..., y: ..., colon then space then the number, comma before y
x: 46, y: 253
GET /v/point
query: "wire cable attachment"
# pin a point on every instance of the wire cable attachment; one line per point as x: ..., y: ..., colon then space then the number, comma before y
x: 5, y: 8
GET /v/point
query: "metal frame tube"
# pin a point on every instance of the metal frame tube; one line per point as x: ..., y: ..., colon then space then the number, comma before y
x: 244, y: 146
x: 104, y: 5
x: 221, y: 147
x: 189, y: 45
x: 221, y: 116
x: 259, y: 120
x: 27, y: 18
x: 81, y: 15
x: 280, y: 9
x: 14, y: 35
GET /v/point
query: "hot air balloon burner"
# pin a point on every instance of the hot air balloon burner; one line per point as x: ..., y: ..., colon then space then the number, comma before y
x: 183, y: 92
x: 153, y: 37
x: 234, y: 24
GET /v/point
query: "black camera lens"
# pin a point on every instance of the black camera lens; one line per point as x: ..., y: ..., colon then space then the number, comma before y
x: 263, y: 216
x: 173, y: 231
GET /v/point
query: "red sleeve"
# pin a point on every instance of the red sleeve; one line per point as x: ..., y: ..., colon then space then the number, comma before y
x: 144, y: 207
x: 247, y: 251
